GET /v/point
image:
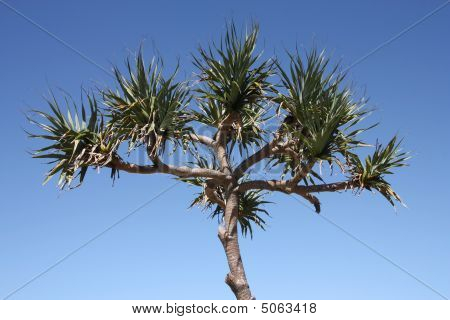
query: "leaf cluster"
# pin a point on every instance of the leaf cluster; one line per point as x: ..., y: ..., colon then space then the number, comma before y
x: 371, y: 174
x: 147, y: 108
x: 76, y: 141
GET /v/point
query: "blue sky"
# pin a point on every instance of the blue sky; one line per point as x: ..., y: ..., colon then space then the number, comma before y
x: 166, y: 251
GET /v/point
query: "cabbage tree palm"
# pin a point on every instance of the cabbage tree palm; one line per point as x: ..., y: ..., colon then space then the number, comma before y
x: 313, y: 115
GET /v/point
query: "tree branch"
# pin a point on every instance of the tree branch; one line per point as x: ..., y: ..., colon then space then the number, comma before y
x: 188, y: 172
x: 118, y: 164
x: 221, y: 141
x: 160, y: 167
x: 302, y: 172
x: 329, y: 187
x: 271, y: 148
x: 258, y: 156
x: 207, y: 141
x: 284, y: 186
x: 281, y: 186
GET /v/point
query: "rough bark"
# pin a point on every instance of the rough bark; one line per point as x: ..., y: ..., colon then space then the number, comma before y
x: 228, y: 235
x: 228, y: 231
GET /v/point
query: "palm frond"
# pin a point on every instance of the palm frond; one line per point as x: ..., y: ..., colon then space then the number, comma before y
x: 371, y: 174
x: 231, y: 73
x: 77, y: 141
x: 233, y: 80
x: 148, y: 109
x: 322, y: 113
x: 251, y: 211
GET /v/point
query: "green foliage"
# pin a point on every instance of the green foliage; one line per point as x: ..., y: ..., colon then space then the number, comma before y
x: 231, y: 74
x: 251, y: 211
x: 76, y: 142
x: 148, y: 109
x: 322, y: 113
x: 318, y: 119
x: 371, y: 174
x: 232, y: 80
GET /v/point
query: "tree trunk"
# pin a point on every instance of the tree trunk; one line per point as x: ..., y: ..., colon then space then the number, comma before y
x: 228, y: 235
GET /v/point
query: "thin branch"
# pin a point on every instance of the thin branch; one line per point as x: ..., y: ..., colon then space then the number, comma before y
x: 202, y: 139
x: 330, y: 187
x: 304, y: 170
x: 313, y: 200
x: 284, y: 186
x: 271, y: 148
x: 258, y: 156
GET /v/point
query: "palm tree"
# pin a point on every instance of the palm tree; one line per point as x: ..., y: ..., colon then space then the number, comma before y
x: 316, y: 114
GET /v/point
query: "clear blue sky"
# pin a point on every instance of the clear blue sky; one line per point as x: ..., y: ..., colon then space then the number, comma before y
x: 166, y: 251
